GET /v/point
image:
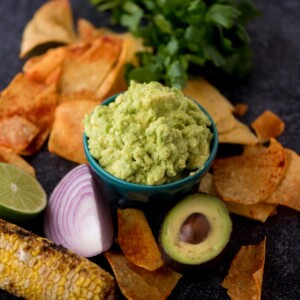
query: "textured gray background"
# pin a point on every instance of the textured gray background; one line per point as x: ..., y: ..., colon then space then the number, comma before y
x: 273, y: 84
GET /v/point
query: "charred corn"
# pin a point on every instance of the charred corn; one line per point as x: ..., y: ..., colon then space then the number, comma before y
x: 35, y: 268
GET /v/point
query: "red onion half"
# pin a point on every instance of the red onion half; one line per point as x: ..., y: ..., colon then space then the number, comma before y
x: 77, y: 215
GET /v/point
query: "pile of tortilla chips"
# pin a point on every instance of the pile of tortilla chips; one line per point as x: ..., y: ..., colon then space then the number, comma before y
x: 84, y: 72
x: 265, y: 175
x: 60, y: 86
x: 26, y: 115
x: 71, y: 70
x: 138, y: 267
x: 50, y: 98
x: 254, y: 183
x: 260, y: 178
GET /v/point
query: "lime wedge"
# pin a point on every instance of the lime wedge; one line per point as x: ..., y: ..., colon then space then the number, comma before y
x: 21, y: 195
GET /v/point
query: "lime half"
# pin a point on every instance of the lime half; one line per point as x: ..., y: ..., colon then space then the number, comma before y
x: 21, y: 195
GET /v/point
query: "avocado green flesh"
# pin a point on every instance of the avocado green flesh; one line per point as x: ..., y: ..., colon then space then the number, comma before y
x: 217, y: 238
x: 150, y: 135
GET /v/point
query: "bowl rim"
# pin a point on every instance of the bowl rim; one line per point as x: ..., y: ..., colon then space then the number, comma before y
x: 171, y: 185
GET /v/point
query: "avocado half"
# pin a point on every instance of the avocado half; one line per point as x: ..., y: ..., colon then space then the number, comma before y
x: 195, y: 231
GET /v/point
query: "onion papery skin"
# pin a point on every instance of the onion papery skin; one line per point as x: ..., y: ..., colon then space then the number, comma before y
x: 78, y: 216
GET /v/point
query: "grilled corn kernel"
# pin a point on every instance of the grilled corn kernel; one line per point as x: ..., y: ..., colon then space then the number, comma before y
x: 52, y: 272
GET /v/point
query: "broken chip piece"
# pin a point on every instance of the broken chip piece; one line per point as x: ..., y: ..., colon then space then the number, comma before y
x: 245, y: 275
x: 268, y: 125
x: 240, y: 109
x: 136, y: 239
x: 139, y: 284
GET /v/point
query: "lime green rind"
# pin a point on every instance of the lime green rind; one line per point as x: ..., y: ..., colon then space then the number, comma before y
x: 16, y: 216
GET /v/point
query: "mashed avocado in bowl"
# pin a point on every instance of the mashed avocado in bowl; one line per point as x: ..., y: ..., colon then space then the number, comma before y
x: 150, y: 135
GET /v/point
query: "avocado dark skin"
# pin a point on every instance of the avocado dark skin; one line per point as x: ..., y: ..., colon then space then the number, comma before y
x: 194, y: 233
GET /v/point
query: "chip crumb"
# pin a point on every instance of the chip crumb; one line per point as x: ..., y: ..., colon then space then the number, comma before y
x: 240, y: 109
x: 268, y: 125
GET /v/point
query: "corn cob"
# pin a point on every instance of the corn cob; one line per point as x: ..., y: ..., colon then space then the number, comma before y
x: 35, y: 268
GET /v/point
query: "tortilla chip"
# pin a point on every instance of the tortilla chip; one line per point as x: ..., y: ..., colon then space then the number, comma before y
x: 87, y: 31
x: 258, y: 211
x: 133, y: 45
x: 239, y: 134
x: 115, y: 81
x: 17, y: 132
x: 245, y: 276
x: 18, y: 97
x: 139, y: 284
x: 136, y: 239
x: 41, y: 68
x: 207, y: 185
x: 221, y: 110
x: 287, y: 192
x: 66, y: 135
x: 8, y: 156
x: 42, y: 115
x: 86, y: 72
x: 35, y: 102
x: 52, y: 23
x: 226, y: 124
x: 42, y: 108
x: 268, y: 125
x: 78, y: 96
x: 240, y: 109
x: 254, y: 149
x: 75, y: 51
x: 209, y: 97
x: 249, y: 179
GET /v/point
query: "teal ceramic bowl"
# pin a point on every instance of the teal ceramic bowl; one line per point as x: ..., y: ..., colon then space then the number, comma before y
x: 139, y: 192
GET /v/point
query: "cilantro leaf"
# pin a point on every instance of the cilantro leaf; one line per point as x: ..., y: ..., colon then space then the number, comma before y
x: 223, y: 15
x: 186, y: 37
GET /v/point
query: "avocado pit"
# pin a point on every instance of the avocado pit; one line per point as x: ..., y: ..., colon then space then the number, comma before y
x: 194, y: 229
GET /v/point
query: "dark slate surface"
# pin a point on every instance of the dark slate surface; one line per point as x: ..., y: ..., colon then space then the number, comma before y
x: 273, y: 84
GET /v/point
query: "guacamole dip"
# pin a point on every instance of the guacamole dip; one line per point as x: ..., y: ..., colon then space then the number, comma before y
x: 151, y: 134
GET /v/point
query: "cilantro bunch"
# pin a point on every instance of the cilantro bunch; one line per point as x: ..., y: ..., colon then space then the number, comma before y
x: 187, y: 37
